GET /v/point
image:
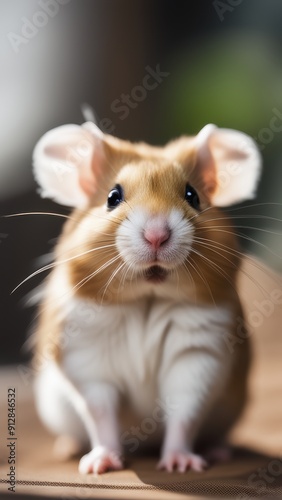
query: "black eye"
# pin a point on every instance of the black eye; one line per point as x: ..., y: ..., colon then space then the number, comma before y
x: 115, y: 197
x: 192, y: 197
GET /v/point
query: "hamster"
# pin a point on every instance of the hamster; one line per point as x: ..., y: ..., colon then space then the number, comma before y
x: 141, y: 303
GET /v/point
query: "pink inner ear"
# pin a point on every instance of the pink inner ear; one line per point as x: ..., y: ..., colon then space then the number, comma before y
x: 93, y: 171
x: 90, y: 177
x: 204, y: 174
x: 88, y: 184
x: 55, y: 151
x: 86, y: 174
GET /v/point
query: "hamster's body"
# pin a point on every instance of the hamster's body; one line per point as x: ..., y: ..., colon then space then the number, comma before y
x: 141, y: 304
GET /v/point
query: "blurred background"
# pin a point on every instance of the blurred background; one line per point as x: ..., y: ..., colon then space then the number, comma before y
x: 213, y: 61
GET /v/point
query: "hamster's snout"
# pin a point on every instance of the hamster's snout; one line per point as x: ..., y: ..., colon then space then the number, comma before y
x: 157, y: 232
x: 147, y: 240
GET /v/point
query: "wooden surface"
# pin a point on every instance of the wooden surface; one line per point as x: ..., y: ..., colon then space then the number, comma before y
x: 254, y: 472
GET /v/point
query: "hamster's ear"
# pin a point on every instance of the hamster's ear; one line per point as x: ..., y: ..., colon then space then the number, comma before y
x: 70, y: 163
x: 228, y: 165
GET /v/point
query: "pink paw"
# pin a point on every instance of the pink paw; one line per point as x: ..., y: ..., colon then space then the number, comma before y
x: 181, y: 461
x: 100, y: 460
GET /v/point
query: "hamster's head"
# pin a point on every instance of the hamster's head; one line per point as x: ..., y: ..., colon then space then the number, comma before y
x: 147, y: 219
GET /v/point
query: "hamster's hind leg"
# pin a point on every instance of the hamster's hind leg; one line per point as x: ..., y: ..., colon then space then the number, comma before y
x: 57, y: 412
x: 87, y: 416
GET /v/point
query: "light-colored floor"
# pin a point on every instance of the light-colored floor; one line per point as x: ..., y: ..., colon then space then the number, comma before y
x: 255, y: 472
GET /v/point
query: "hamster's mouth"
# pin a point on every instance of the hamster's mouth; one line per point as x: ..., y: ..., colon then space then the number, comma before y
x: 155, y: 274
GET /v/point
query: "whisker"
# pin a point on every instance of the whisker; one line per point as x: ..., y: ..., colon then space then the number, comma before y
x: 246, y: 217
x: 57, y: 263
x: 200, y: 213
x: 125, y: 272
x: 196, y: 269
x: 111, y: 278
x: 214, y: 249
x: 192, y: 280
x: 252, y: 205
x: 253, y: 228
x: 114, y: 219
x: 37, y: 213
x: 68, y: 292
x: 247, y: 238
x: 125, y: 201
x: 92, y: 275
x: 220, y: 245
x: 175, y: 271
x: 235, y: 209
x: 214, y: 266
x: 230, y: 250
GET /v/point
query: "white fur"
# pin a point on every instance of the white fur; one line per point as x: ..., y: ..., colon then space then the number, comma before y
x: 114, y: 341
x: 152, y: 349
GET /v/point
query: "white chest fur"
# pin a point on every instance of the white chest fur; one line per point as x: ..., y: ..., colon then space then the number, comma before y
x: 131, y: 346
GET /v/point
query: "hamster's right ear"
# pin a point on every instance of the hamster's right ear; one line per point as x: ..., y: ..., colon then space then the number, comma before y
x: 71, y: 162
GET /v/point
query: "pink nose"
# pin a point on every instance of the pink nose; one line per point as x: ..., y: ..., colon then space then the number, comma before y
x: 157, y: 237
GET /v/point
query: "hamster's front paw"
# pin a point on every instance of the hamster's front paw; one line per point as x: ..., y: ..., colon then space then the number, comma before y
x: 181, y: 461
x: 100, y: 460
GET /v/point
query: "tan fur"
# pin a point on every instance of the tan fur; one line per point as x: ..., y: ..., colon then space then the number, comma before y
x: 142, y: 300
x: 155, y: 178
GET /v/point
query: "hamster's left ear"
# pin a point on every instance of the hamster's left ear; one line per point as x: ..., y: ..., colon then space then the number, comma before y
x: 72, y: 163
x: 228, y: 165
